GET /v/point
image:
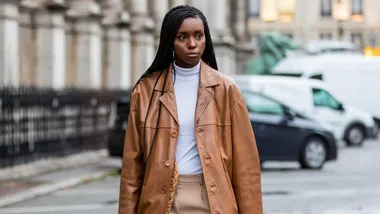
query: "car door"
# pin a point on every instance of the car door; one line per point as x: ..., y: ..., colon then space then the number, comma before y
x: 328, y: 110
x: 276, y: 137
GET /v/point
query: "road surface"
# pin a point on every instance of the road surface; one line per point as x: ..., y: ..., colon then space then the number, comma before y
x: 350, y: 185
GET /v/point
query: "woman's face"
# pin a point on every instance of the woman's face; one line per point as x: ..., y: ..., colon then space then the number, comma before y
x: 189, y: 43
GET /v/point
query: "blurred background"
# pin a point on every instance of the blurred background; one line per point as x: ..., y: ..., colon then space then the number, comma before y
x: 309, y: 71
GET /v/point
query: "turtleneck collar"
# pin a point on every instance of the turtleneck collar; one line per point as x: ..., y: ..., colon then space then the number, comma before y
x: 187, y: 73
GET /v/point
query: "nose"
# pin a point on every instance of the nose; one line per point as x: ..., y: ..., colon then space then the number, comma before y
x: 191, y: 44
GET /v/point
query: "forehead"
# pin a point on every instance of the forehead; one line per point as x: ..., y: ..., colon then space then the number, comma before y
x: 191, y: 25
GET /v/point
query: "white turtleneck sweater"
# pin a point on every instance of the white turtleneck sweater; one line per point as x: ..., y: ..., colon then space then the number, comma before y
x: 186, y: 93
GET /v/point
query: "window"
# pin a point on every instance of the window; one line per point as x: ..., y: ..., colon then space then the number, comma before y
x: 326, y: 8
x: 323, y: 98
x: 357, y: 7
x: 325, y: 36
x: 254, y: 8
x: 357, y: 39
x: 269, y: 10
x: 287, y: 10
x: 357, y: 11
x: 262, y: 105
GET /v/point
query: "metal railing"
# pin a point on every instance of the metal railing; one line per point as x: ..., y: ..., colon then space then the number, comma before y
x: 40, y: 123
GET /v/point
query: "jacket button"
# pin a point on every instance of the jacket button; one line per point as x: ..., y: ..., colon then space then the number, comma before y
x: 174, y: 134
x: 163, y: 190
x: 168, y: 163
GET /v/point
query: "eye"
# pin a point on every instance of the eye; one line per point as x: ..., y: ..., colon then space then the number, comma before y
x: 181, y: 37
x: 199, y: 36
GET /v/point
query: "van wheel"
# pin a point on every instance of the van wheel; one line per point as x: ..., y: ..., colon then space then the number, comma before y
x: 355, y: 136
x: 313, y: 153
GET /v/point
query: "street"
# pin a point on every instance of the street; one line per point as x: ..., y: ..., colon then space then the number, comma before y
x: 348, y: 186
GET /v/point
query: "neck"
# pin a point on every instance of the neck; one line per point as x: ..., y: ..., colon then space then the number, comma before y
x: 185, y: 68
x: 182, y: 64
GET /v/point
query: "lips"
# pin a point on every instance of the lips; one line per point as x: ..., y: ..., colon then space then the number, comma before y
x: 192, y: 55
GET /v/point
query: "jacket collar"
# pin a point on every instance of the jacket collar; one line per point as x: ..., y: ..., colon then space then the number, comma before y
x: 208, y: 78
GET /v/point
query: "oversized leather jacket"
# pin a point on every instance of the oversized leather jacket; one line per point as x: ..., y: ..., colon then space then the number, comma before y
x: 225, y: 141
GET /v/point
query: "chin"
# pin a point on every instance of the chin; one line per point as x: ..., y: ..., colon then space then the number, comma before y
x: 192, y: 61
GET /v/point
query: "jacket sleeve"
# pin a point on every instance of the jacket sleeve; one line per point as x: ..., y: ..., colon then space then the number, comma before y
x: 132, y: 164
x: 246, y: 172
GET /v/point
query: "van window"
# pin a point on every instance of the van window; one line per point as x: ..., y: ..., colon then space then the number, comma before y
x: 262, y: 105
x: 322, y: 98
x: 317, y: 77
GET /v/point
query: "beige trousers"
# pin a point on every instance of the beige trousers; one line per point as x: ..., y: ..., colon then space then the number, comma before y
x: 191, y: 196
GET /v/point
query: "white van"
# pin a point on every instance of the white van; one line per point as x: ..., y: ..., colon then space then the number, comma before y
x: 354, y: 78
x: 315, y: 100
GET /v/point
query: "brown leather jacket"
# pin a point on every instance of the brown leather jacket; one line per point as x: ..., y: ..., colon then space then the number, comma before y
x: 225, y: 140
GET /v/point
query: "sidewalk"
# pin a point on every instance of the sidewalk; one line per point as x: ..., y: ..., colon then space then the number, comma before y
x: 27, y: 187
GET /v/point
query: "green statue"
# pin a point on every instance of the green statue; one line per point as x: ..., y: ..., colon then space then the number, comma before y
x: 272, y: 47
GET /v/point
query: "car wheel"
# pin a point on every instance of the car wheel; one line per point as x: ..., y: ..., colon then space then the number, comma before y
x: 355, y: 136
x: 313, y: 153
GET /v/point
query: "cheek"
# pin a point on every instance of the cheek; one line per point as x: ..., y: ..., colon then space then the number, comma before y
x: 202, y: 45
x: 178, y: 48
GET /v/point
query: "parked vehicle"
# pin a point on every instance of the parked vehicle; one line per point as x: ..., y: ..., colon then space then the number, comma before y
x: 281, y: 133
x: 314, y: 99
x: 115, y: 142
x: 353, y: 78
x: 331, y: 46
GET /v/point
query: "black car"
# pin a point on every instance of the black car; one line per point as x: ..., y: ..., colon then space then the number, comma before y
x: 281, y: 133
x: 116, y: 136
x: 284, y: 135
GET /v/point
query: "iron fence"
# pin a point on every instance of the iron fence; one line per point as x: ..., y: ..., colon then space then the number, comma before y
x: 38, y: 123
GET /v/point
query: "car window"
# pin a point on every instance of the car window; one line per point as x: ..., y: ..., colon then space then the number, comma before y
x: 262, y: 105
x: 322, y: 98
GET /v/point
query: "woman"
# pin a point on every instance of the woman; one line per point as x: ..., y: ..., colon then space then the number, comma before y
x: 189, y: 145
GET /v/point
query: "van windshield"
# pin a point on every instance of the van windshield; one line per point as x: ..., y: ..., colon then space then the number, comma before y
x: 286, y: 74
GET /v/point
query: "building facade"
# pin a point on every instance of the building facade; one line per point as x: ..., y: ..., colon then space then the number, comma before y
x: 103, y: 43
x: 357, y: 21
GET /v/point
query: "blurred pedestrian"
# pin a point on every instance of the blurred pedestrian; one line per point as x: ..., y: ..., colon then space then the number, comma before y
x: 189, y: 145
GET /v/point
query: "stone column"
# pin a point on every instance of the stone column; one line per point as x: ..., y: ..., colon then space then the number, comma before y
x: 244, y: 49
x: 85, y: 43
x: 9, y: 43
x: 117, y: 62
x: 143, y: 42
x: 222, y: 36
x: 158, y: 9
x: 50, y: 22
x: 202, y: 5
x: 174, y: 3
x: 28, y: 43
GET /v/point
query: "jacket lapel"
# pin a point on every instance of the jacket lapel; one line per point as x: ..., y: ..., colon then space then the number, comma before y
x: 208, y: 79
x: 168, y: 98
x: 169, y: 102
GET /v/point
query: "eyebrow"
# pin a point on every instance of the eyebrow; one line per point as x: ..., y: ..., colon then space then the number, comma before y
x: 186, y: 32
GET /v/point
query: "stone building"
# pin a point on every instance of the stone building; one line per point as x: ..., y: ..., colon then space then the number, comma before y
x: 103, y: 43
x: 357, y: 21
